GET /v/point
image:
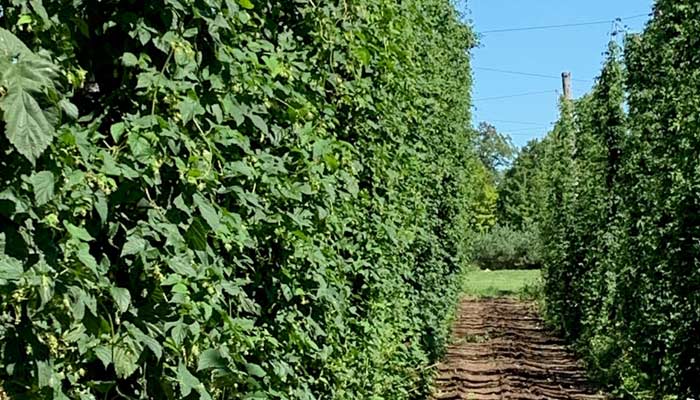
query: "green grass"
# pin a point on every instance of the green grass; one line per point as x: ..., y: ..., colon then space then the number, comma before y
x: 503, y: 283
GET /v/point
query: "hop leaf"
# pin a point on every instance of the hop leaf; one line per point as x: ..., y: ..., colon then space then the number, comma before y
x: 23, y: 74
x: 43, y: 184
x: 26, y: 125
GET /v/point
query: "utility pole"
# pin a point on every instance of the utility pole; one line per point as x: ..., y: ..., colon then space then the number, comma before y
x: 566, y: 84
x: 570, y: 136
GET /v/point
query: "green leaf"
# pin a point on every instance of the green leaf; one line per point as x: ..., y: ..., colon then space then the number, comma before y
x: 122, y: 297
x: 211, y: 359
x: 134, y: 245
x: 259, y: 123
x: 232, y: 108
x: 46, y: 289
x: 29, y: 73
x: 179, y: 332
x: 59, y: 395
x: 10, y: 268
x: 190, y: 108
x: 78, y: 309
x: 41, y: 11
x: 255, y: 370
x: 117, y: 130
x: 196, y: 235
x: 182, y: 266
x: 181, y: 288
x: 69, y: 108
x: 179, y: 202
x: 240, y: 167
x: 187, y: 380
x: 246, y: 4
x: 26, y: 126
x: 45, y: 374
x: 125, y: 361
x: 43, y: 184
x: 77, y: 232
x: 86, y: 258
x: 129, y: 60
x: 207, y: 210
x: 259, y: 395
x: 104, y: 354
x: 364, y: 55
x: 25, y: 19
x: 218, y: 113
x: 148, y: 341
x: 10, y: 45
x: 101, y: 206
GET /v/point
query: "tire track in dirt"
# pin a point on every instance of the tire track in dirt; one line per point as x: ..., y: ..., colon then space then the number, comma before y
x: 501, y: 350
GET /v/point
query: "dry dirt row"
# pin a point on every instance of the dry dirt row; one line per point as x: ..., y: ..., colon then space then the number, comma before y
x: 501, y: 350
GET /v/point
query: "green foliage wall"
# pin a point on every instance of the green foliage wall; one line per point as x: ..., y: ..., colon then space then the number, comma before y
x: 660, y: 282
x: 230, y: 198
x: 621, y: 224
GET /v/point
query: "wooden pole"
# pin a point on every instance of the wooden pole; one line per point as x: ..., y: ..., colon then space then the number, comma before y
x: 566, y: 84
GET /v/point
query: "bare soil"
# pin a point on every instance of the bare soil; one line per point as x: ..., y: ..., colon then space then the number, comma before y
x: 501, y: 350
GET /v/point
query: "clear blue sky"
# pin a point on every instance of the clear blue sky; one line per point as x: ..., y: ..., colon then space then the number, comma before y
x: 576, y: 49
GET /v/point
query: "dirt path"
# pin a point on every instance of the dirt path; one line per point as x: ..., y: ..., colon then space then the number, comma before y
x: 501, y: 350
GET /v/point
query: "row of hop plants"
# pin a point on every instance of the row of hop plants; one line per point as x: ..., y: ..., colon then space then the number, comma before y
x: 619, y: 221
x: 231, y: 199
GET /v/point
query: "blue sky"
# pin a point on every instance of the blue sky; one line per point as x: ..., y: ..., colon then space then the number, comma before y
x: 544, y: 52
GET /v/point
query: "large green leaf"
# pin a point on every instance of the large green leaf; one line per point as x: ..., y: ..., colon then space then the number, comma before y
x: 10, y: 268
x: 207, y: 210
x: 43, y: 184
x: 196, y: 235
x: 45, y: 374
x: 134, y: 245
x: 104, y: 354
x: 86, y: 258
x: 182, y: 266
x: 78, y: 232
x: 211, y: 359
x: 125, y: 360
x: 10, y: 45
x: 122, y: 297
x: 255, y: 370
x: 148, y: 341
x: 187, y: 380
x: 26, y: 125
x: 29, y: 73
x: 24, y: 74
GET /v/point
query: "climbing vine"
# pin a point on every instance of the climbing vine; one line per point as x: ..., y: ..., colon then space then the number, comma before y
x: 620, y: 225
x: 222, y: 199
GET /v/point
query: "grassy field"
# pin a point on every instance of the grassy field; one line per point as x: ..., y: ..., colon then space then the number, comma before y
x: 514, y: 283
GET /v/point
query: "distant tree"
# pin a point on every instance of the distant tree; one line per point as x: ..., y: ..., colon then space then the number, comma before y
x: 495, y: 150
x: 521, y: 192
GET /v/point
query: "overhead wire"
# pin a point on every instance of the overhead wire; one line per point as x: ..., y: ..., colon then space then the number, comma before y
x: 524, y: 134
x: 544, y: 27
x: 533, y: 129
x: 528, y: 131
x: 535, y: 126
x: 515, y: 95
x: 505, y: 121
x: 504, y: 71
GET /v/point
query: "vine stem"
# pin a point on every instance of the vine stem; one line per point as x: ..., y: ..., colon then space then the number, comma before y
x: 162, y: 72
